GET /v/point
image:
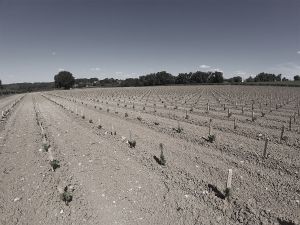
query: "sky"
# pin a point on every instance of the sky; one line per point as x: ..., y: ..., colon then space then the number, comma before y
x: 129, y: 38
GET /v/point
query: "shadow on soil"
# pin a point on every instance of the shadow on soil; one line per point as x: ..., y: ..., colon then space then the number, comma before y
x: 284, y: 222
x: 157, y: 160
x: 217, y: 192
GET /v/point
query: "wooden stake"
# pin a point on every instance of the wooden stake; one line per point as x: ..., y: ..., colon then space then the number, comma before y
x: 234, y: 124
x: 290, y: 124
x: 265, y: 149
x: 229, y: 179
x: 210, y: 128
x: 282, y: 132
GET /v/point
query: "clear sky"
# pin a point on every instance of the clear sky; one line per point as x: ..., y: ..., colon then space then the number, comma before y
x: 128, y: 38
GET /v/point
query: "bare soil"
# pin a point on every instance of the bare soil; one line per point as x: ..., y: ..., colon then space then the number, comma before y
x: 111, y: 182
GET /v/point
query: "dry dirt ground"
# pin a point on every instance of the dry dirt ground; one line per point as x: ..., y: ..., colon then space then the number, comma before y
x: 87, y: 132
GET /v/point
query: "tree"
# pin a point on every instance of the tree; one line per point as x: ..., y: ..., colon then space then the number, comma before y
x: 249, y: 79
x: 285, y: 79
x: 278, y: 77
x: 64, y: 79
x: 216, y: 77
x: 1, y: 84
x: 296, y: 78
x: 183, y: 78
x: 236, y: 79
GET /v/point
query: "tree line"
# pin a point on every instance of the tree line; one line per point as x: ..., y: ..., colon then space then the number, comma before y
x: 66, y: 80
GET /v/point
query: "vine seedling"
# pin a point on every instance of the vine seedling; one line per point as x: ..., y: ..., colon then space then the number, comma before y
x: 67, y: 195
x: 131, y: 142
x: 54, y: 164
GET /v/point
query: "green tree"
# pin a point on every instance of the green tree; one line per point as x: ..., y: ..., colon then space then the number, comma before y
x: 296, y: 78
x: 64, y: 79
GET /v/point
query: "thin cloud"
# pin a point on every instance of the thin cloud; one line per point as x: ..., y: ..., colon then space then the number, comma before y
x: 95, y: 69
x: 240, y: 73
x: 204, y: 66
x: 298, y: 52
x: 288, y: 68
x: 53, y: 53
